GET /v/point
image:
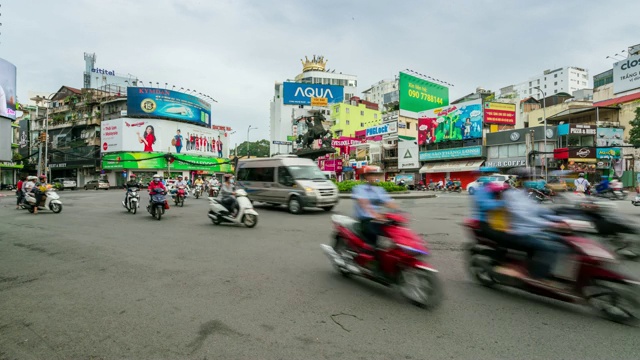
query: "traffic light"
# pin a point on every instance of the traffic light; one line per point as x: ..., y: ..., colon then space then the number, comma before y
x: 43, y: 137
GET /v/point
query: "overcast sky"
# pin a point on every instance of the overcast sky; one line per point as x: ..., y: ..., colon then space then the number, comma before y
x: 234, y: 50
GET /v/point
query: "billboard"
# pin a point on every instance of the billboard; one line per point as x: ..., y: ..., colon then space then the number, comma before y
x: 626, y: 74
x: 609, y: 137
x: 455, y: 122
x: 7, y: 89
x: 499, y: 113
x: 5, y: 140
x: 136, y: 160
x: 408, y: 153
x: 582, y: 129
x: 383, y: 129
x: 153, y: 102
x: 156, y: 135
x: 457, y: 153
x: 23, y: 138
x: 301, y: 94
x: 417, y: 95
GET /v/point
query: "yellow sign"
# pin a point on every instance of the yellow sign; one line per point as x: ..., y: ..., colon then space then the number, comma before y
x: 319, y: 101
x: 502, y: 106
x: 494, y: 128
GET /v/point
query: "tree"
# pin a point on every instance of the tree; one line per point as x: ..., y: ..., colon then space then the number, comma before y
x: 260, y: 148
x: 634, y: 133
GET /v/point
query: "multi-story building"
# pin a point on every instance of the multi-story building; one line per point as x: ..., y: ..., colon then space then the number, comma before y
x: 565, y: 79
x: 292, y: 98
x: 376, y: 93
x: 348, y: 118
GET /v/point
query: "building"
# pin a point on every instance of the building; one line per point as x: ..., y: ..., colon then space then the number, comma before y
x: 376, y: 93
x: 105, y: 79
x: 561, y: 80
x: 292, y: 98
x: 348, y: 118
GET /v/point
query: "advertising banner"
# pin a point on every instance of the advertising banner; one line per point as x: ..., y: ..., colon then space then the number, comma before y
x: 454, y: 122
x: 384, y: 129
x: 608, y: 153
x: 581, y: 129
x: 408, y: 153
x: 626, y: 74
x: 417, y: 95
x: 507, y: 162
x: 5, y: 139
x: 154, y: 135
x: 330, y: 165
x: 138, y: 160
x: 7, y: 89
x: 609, y: 137
x: 344, y: 143
x: 584, y: 154
x: 499, y: 113
x: 23, y: 138
x: 169, y: 104
x: 301, y: 94
x: 457, y: 153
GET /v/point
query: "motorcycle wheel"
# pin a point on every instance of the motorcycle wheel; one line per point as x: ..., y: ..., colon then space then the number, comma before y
x: 216, y: 220
x: 340, y: 247
x: 197, y: 195
x: 158, y: 212
x: 250, y: 220
x: 133, y: 209
x: 31, y: 210
x: 480, y: 269
x: 421, y: 287
x: 613, y: 302
x: 626, y: 248
x: 56, y: 208
x: 181, y: 202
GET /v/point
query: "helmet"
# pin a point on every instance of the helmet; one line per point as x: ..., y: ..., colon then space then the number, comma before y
x: 581, y: 175
x: 32, y: 178
x: 43, y: 176
x: 199, y: 177
x: 227, y: 176
x: 180, y: 176
x: 496, y: 188
x: 132, y: 176
x: 157, y: 178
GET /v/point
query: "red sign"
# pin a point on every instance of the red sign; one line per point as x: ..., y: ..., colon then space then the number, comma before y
x: 220, y: 127
x: 499, y: 113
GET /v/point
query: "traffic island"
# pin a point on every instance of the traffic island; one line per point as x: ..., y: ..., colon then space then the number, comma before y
x: 398, y: 195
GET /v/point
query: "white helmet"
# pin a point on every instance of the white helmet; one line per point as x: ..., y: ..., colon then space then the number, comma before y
x: 32, y: 178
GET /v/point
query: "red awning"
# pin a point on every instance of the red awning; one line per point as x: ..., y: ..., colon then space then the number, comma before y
x: 561, y: 153
x: 618, y: 100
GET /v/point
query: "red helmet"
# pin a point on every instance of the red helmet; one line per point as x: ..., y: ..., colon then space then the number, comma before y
x: 494, y: 187
x: 43, y: 176
x: 132, y: 176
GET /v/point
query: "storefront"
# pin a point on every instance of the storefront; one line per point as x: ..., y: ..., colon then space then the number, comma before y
x: 509, y: 149
x: 446, y: 163
x: 9, y: 173
x: 82, y: 171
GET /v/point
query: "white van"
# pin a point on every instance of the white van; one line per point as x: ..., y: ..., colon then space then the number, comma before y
x: 286, y: 180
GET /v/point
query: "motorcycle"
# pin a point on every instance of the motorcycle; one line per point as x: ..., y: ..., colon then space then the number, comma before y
x: 197, y: 191
x: 214, y: 191
x: 157, y: 204
x: 589, y: 272
x: 402, y: 258
x: 636, y: 200
x: 50, y: 200
x: 179, y: 196
x: 421, y: 187
x: 540, y: 195
x: 247, y: 215
x: 132, y: 201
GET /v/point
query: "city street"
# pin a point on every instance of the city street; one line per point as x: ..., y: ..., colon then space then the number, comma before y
x: 95, y: 282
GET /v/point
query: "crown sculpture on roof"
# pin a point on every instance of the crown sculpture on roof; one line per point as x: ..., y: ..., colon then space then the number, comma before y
x: 315, y: 64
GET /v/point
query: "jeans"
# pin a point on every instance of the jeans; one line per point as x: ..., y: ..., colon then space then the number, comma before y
x: 371, y: 229
x: 546, y: 249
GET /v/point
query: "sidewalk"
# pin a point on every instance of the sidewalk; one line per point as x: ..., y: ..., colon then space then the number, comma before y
x: 400, y: 196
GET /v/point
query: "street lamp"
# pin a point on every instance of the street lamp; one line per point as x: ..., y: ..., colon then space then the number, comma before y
x: 544, y: 117
x: 251, y: 127
x: 47, y: 101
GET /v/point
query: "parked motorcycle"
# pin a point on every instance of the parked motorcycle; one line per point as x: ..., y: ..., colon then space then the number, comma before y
x: 402, y: 258
x: 157, y: 204
x: 50, y: 200
x: 197, y: 191
x: 179, y: 196
x: 247, y: 215
x: 132, y: 200
x: 589, y: 272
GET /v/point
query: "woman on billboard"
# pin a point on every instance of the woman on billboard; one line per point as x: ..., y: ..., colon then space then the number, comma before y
x: 219, y: 147
x: 177, y: 141
x: 149, y: 138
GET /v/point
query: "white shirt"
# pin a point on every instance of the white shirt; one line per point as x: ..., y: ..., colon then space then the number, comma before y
x: 581, y: 183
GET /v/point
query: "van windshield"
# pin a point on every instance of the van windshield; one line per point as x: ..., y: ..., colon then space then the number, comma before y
x: 306, y: 173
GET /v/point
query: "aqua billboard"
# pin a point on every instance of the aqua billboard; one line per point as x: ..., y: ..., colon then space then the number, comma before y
x: 457, y: 153
x: 168, y: 104
x: 301, y: 93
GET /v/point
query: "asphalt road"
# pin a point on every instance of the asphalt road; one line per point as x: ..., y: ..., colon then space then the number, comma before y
x: 95, y: 282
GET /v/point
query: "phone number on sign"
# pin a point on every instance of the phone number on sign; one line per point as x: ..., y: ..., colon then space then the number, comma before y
x: 424, y: 96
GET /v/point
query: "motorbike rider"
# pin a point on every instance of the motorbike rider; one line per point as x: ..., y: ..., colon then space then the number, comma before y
x: 370, y: 199
x: 156, y: 187
x: 28, y: 186
x: 449, y: 184
x: 526, y: 220
x: 603, y: 186
x: 198, y: 182
x: 213, y: 183
x: 132, y: 183
x: 581, y: 183
x: 179, y: 183
x: 488, y: 208
x: 616, y: 184
x: 39, y: 190
x: 227, y: 195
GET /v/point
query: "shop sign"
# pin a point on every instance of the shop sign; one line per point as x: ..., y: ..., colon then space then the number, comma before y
x: 580, y: 129
x: 457, y: 153
x: 608, y: 153
x: 582, y: 153
x: 506, y: 163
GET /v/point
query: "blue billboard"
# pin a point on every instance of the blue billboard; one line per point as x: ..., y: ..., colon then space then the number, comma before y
x: 168, y: 104
x: 301, y: 94
x: 445, y: 154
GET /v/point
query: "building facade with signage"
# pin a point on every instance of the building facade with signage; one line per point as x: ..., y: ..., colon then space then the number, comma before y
x: 511, y: 149
x: 459, y: 163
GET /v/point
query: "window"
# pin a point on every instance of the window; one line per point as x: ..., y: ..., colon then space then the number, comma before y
x: 555, y: 75
x: 545, y: 86
x: 408, y: 125
x: 375, y: 116
x: 346, y: 110
x: 504, y: 151
x: 361, y: 124
x: 284, y: 176
x: 555, y: 83
x: 256, y: 174
x: 337, y: 110
x: 347, y: 122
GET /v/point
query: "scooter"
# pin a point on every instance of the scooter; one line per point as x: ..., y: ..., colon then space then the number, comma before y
x: 50, y: 200
x: 178, y: 197
x: 157, y: 205
x: 402, y: 258
x: 636, y: 200
x: 197, y: 191
x: 589, y: 273
x: 246, y: 215
x: 132, y: 201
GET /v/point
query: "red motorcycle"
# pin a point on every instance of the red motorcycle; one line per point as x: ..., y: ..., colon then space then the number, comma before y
x: 588, y: 273
x: 401, y: 253
x: 179, y: 196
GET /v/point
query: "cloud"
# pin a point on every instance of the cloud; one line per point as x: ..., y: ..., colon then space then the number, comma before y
x: 234, y: 50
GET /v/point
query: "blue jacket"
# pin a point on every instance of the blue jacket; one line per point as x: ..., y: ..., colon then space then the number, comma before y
x: 483, y: 202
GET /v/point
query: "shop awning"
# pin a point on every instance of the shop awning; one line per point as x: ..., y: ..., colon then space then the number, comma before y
x: 452, y: 166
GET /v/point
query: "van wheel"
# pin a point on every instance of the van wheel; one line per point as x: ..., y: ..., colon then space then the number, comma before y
x: 295, y: 207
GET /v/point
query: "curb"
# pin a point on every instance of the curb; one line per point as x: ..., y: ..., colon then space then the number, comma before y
x: 406, y: 195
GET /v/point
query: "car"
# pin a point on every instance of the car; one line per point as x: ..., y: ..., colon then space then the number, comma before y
x: 65, y: 183
x: 497, y: 178
x: 97, y: 184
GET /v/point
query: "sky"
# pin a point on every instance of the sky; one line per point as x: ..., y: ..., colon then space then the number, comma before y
x: 235, y: 50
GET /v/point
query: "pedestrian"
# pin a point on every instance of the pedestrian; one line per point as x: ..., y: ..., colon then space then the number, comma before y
x: 19, y: 194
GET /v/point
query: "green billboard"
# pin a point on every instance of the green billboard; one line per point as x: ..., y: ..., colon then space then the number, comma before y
x: 417, y: 95
x: 158, y: 161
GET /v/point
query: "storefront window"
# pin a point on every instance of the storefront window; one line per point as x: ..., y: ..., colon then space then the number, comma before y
x: 586, y: 141
x: 504, y: 151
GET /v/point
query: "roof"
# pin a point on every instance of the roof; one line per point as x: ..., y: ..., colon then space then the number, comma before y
x: 77, y: 91
x: 619, y: 100
x: 578, y: 111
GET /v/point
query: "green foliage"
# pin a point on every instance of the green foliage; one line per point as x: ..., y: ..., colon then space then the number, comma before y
x: 260, y: 148
x: 348, y: 185
x: 634, y: 133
